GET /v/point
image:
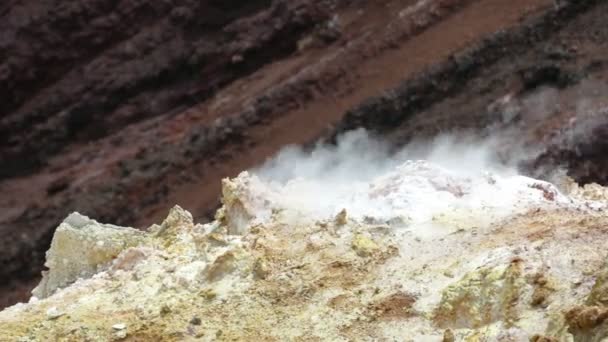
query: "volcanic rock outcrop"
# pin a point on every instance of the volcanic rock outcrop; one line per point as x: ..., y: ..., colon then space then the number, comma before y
x: 420, y: 253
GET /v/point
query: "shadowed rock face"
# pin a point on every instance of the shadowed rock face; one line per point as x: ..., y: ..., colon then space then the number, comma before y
x: 584, y: 158
x: 79, y: 70
x: 110, y: 105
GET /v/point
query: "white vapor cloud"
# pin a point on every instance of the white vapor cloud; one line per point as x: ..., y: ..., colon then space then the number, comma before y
x: 358, y: 157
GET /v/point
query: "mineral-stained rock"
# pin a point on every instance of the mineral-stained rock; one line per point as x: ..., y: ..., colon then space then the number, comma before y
x: 521, y: 266
x: 82, y: 247
x: 589, y: 321
x: 482, y: 297
x: 364, y: 246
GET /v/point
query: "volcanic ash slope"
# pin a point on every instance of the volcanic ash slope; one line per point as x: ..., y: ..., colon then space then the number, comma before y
x: 420, y: 254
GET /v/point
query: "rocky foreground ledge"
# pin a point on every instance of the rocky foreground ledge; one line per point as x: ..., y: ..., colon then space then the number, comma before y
x: 419, y: 254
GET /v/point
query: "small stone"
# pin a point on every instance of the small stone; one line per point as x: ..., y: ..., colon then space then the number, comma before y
x: 195, y: 321
x: 218, y: 239
x: 165, y: 309
x: 223, y: 265
x: 448, y: 336
x: 539, y: 297
x: 119, y: 326
x: 208, y: 294
x: 364, y: 246
x: 342, y: 218
x: 178, y: 218
x: 260, y: 269
x: 54, y: 313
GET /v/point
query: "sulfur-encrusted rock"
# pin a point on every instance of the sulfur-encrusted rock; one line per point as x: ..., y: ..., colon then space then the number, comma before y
x: 82, y: 247
x: 589, y: 321
x: 363, y: 245
x: 466, y: 265
x: 482, y: 297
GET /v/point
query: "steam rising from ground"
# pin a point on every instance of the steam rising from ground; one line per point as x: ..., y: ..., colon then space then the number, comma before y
x: 358, y: 157
x: 459, y: 178
x: 454, y: 175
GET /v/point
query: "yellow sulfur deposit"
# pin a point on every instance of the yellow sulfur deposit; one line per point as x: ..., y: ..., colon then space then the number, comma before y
x: 269, y: 270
